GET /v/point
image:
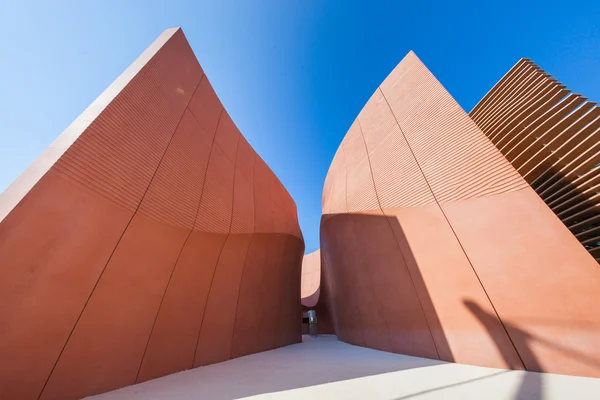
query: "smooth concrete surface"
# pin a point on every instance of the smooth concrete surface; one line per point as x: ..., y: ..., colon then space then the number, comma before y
x: 325, y: 368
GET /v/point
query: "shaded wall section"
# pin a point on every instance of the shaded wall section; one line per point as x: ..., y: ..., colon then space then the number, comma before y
x: 149, y: 238
x: 552, y: 138
x: 435, y: 246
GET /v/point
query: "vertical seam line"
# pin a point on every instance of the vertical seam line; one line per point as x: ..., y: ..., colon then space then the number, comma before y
x: 397, y: 243
x: 115, y: 248
x: 182, y: 247
x: 347, y: 211
x: 222, y: 247
x: 452, y: 228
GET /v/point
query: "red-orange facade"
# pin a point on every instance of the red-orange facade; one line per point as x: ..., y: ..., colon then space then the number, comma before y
x: 315, y: 292
x: 149, y: 238
x: 552, y: 138
x: 433, y: 245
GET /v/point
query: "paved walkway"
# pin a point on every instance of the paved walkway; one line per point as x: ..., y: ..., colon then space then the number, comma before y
x: 326, y: 368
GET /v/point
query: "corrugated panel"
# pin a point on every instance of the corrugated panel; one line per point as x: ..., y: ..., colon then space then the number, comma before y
x: 245, y: 159
x: 174, y: 194
x: 397, y: 177
x: 243, y: 205
x: 217, y: 199
x: 206, y: 107
x: 119, y: 152
x: 227, y: 136
x: 458, y: 161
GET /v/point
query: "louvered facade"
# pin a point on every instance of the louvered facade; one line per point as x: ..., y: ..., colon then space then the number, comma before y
x: 433, y: 245
x: 552, y: 138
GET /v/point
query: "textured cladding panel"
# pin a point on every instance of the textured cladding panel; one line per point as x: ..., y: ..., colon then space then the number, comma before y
x: 262, y: 175
x: 397, y: 176
x: 47, y: 236
x: 18, y: 189
x: 334, y: 200
x: 263, y: 211
x: 376, y: 121
x: 279, y: 223
x: 339, y: 200
x: 172, y: 344
x: 206, y: 107
x: 247, y: 328
x: 116, y: 322
x: 278, y: 192
x: 245, y: 159
x: 354, y: 146
x: 382, y: 264
x: 336, y: 172
x: 214, y: 343
x: 552, y: 142
x: 243, y: 205
x: 119, y: 152
x: 174, y: 193
x: 361, y: 191
x: 217, y: 199
x: 457, y: 159
x: 227, y: 136
x: 142, y: 309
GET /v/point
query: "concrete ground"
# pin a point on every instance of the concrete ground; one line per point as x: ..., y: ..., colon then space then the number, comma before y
x: 325, y: 368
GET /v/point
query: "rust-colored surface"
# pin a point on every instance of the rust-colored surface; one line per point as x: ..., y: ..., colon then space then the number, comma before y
x: 311, y: 278
x: 148, y: 239
x: 552, y: 138
x: 316, y: 293
x: 433, y: 245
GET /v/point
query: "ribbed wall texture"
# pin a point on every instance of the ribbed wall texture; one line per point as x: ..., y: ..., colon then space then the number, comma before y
x: 433, y: 245
x: 148, y: 239
x: 552, y: 137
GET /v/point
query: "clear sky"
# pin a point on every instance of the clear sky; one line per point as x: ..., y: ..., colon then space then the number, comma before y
x: 293, y: 74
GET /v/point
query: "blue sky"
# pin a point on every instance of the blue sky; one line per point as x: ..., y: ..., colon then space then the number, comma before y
x: 293, y: 74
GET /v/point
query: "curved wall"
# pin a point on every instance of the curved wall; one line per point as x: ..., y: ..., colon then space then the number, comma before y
x: 316, y: 293
x: 311, y: 278
x: 435, y: 246
x: 148, y: 239
x: 552, y: 138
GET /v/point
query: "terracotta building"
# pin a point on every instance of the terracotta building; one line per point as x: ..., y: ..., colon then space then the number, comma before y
x: 551, y: 137
x: 150, y: 238
x: 433, y: 244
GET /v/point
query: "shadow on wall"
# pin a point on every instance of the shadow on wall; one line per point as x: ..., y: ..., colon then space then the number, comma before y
x: 418, y: 308
x: 532, y: 384
x: 574, y: 199
x: 325, y: 324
